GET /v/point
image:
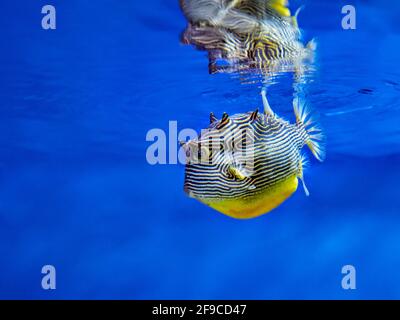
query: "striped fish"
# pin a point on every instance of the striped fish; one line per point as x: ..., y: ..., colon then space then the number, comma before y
x: 259, y: 34
x: 248, y: 164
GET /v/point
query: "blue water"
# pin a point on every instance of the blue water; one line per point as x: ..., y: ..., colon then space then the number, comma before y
x: 77, y: 192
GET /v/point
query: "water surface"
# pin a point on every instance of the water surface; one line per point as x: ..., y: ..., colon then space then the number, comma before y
x: 76, y: 190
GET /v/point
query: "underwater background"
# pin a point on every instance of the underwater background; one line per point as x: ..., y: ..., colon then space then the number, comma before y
x: 77, y: 192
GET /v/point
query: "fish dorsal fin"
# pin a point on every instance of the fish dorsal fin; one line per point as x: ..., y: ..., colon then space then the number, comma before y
x: 267, y: 108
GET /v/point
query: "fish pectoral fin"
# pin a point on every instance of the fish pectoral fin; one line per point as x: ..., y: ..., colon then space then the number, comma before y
x: 303, y: 162
x: 305, y: 187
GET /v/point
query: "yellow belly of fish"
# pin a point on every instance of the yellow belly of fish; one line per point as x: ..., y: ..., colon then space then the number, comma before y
x: 258, y: 205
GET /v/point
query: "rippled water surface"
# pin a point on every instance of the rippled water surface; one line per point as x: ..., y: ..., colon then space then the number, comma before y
x: 77, y: 192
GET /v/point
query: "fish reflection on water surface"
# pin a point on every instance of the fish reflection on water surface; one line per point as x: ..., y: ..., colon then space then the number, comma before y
x: 248, y: 34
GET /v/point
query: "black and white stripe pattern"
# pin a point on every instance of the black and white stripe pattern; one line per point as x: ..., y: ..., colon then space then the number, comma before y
x: 252, y: 33
x: 270, y: 154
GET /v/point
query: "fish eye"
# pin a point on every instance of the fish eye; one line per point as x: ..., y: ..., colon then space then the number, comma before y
x: 192, y: 153
x: 229, y: 175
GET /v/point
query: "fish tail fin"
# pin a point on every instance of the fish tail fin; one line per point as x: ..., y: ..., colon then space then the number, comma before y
x: 314, y: 137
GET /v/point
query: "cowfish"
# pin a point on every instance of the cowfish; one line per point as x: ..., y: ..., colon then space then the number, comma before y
x: 247, y: 164
x: 251, y: 34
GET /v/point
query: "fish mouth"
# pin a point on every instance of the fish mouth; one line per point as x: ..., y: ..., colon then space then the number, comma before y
x: 192, y: 195
x: 189, y: 192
